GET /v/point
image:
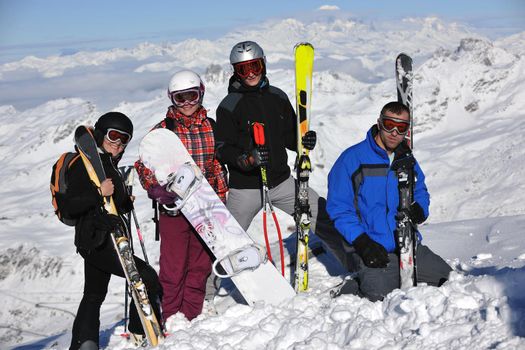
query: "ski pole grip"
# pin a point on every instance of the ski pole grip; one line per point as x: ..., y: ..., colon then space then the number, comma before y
x: 258, y: 134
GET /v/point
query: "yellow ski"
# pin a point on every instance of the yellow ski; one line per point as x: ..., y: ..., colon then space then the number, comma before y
x: 304, y: 62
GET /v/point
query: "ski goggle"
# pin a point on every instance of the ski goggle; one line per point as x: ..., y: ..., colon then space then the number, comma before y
x: 115, y: 135
x: 244, y: 69
x: 390, y: 124
x: 186, y: 97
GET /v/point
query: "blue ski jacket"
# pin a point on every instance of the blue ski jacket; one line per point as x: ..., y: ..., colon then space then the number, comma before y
x: 363, y: 194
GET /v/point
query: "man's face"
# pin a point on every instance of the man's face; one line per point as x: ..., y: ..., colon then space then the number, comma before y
x: 252, y: 79
x: 250, y: 72
x: 391, y: 136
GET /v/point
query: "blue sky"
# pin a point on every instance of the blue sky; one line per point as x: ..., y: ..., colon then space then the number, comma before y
x: 41, y: 27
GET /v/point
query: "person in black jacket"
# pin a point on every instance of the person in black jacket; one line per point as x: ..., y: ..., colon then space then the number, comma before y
x: 251, y: 99
x: 83, y: 201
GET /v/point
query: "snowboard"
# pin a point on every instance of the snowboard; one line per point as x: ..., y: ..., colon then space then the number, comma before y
x: 88, y: 150
x: 304, y: 61
x: 164, y: 153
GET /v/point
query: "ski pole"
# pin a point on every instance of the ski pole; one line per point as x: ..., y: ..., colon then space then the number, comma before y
x: 139, y: 234
x: 258, y: 132
x: 127, y: 172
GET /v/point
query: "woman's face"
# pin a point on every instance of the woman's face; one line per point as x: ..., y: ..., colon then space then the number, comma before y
x: 114, y: 148
x: 188, y: 109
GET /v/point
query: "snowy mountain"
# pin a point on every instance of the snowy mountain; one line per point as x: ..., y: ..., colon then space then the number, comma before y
x: 469, y: 122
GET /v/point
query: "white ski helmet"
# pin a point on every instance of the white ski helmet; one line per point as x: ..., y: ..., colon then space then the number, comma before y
x: 246, y: 51
x: 184, y: 80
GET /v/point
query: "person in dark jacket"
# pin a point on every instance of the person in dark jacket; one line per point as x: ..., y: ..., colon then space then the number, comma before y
x: 251, y: 99
x: 83, y: 201
x: 362, y: 200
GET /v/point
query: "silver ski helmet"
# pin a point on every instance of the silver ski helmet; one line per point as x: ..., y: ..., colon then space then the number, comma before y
x: 247, y: 51
x: 186, y: 86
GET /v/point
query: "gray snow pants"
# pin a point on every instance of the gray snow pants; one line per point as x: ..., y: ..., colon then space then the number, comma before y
x: 244, y: 204
x: 375, y: 283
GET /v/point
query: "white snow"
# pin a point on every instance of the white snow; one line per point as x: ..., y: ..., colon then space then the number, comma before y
x: 469, y: 119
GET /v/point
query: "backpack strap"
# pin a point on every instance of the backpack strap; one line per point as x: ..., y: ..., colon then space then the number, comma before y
x: 59, y: 183
x: 170, y: 123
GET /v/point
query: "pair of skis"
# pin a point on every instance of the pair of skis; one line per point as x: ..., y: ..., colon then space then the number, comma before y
x: 127, y: 174
x: 404, y: 168
x: 304, y: 61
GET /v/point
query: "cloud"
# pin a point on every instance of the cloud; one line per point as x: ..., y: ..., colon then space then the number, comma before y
x: 329, y: 8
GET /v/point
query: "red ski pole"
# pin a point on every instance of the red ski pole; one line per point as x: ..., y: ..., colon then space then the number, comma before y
x: 258, y: 134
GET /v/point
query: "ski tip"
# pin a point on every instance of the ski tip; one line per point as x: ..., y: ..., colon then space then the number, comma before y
x: 404, y: 56
x: 303, y: 43
x: 82, y: 130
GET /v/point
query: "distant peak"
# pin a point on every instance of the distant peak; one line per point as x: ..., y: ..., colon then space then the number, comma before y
x: 329, y: 8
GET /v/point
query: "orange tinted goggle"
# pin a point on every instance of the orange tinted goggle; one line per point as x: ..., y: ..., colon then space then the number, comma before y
x: 390, y: 124
x: 244, y: 69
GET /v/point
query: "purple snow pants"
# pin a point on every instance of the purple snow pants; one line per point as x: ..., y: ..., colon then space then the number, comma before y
x: 184, y: 267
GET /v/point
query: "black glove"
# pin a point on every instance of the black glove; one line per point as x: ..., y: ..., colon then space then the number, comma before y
x: 106, y: 222
x: 414, y: 213
x: 261, y: 155
x: 373, y: 254
x: 309, y: 140
x: 254, y: 158
x: 402, y: 150
x: 405, y: 162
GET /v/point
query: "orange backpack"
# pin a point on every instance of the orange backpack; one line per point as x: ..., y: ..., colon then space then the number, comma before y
x: 58, y: 185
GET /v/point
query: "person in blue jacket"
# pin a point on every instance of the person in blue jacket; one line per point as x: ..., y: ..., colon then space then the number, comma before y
x: 362, y: 200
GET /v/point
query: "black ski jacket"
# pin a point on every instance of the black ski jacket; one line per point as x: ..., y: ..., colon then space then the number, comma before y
x: 243, y: 106
x: 83, y: 202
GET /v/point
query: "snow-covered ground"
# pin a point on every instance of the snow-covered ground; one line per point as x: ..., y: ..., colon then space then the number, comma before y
x: 469, y: 120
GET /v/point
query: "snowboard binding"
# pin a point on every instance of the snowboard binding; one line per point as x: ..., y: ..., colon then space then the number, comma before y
x: 184, y: 182
x: 248, y: 257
